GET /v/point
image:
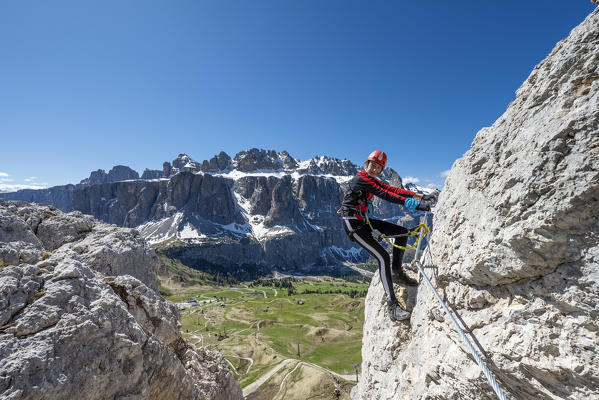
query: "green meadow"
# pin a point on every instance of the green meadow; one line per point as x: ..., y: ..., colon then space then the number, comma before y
x: 257, y: 326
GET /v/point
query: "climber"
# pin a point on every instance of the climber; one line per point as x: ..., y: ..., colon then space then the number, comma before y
x: 337, y: 393
x: 355, y: 206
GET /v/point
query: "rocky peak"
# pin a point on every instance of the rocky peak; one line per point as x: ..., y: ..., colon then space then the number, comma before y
x: 185, y: 163
x: 516, y: 253
x: 116, y: 174
x: 218, y: 163
x: 152, y: 174
x: 289, y: 163
x: 121, y: 173
x: 323, y: 165
x: 97, y: 177
x: 259, y: 159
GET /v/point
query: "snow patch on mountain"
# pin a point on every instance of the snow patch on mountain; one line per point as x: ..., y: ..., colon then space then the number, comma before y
x: 161, y: 230
x: 189, y: 232
x: 279, y: 173
x: 256, y: 222
x: 353, y: 252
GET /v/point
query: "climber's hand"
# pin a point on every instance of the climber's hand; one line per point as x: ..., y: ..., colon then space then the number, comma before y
x: 429, y: 197
x: 424, y: 206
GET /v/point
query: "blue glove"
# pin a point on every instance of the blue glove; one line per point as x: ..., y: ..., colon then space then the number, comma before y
x: 411, y: 204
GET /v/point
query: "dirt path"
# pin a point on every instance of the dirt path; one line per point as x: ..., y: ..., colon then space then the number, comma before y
x: 197, y: 337
x: 350, y: 377
x: 285, y: 378
x: 244, y: 358
x: 251, y: 388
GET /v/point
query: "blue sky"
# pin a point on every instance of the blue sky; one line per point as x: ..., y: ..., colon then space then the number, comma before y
x: 87, y: 85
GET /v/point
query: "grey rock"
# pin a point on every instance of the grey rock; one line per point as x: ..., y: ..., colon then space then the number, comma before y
x: 116, y: 174
x: 152, y: 174
x: 116, y: 251
x: 61, y: 228
x: 121, y: 173
x: 14, y: 229
x: 258, y: 159
x: 60, y: 197
x: 166, y: 169
x: 220, y: 162
x: 81, y: 318
x: 284, y: 210
x: 330, y: 166
x: 288, y: 161
x: 96, y: 178
x: 185, y: 163
x: 515, y: 244
x: 257, y: 189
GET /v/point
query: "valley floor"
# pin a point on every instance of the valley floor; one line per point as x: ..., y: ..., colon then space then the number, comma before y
x: 261, y: 328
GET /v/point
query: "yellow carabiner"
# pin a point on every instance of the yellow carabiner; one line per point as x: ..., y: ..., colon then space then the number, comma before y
x: 413, y: 232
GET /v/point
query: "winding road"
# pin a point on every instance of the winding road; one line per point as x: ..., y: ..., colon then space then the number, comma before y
x: 252, y: 387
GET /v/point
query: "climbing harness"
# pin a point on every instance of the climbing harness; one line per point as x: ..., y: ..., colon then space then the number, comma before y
x: 473, y: 351
x: 412, y: 232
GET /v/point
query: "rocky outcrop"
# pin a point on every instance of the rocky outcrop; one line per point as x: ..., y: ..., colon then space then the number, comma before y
x: 218, y: 163
x: 516, y: 250
x: 152, y: 174
x: 60, y: 197
x: 258, y: 159
x: 116, y: 174
x: 329, y: 166
x: 80, y: 316
x: 185, y: 163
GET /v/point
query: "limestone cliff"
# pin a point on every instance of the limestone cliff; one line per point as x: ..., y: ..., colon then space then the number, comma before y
x: 517, y: 253
x: 81, y: 318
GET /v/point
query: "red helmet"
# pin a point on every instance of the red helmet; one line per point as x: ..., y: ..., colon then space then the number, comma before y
x: 378, y: 157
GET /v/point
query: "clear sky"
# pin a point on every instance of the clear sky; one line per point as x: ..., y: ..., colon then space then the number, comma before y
x: 91, y: 84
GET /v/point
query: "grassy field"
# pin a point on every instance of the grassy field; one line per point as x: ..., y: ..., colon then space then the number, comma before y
x: 256, y: 327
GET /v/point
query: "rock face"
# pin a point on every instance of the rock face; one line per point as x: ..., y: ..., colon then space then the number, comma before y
x: 516, y: 245
x: 117, y: 173
x: 220, y: 162
x: 262, y: 208
x: 152, y: 174
x: 60, y: 197
x: 257, y: 159
x: 80, y: 316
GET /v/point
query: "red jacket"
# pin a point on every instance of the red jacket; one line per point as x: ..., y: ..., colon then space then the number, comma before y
x: 362, y: 188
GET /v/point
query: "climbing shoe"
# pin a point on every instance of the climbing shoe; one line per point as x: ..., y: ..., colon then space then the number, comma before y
x: 396, y: 313
x: 400, y: 277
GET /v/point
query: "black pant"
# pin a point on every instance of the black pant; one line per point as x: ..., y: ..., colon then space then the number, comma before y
x: 360, y: 232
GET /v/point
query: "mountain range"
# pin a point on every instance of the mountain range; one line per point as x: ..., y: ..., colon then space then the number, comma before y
x: 260, y: 210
